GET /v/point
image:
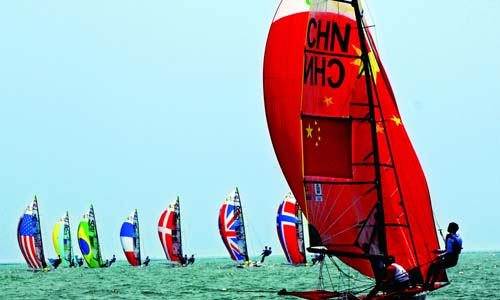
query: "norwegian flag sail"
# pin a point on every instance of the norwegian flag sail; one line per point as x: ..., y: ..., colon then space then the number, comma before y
x: 169, y: 232
x: 232, y: 227
x: 290, y: 230
x: 130, y: 239
x: 29, y: 237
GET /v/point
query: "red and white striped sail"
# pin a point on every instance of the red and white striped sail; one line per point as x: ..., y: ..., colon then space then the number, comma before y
x: 29, y: 237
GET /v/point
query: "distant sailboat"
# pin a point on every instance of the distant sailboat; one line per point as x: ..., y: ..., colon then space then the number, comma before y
x: 169, y: 232
x: 232, y: 228
x: 343, y: 148
x: 29, y: 237
x: 129, y: 237
x: 61, y: 237
x: 289, y: 225
x: 89, y: 241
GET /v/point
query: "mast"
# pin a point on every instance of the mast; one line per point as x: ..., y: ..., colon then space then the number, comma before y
x: 39, y: 227
x: 137, y: 239
x: 237, y: 203
x: 368, y: 75
x: 94, y: 224
x: 177, y: 210
x: 300, y: 232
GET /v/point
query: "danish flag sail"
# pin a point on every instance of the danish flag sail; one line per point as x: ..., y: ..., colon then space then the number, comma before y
x: 340, y: 141
x: 169, y: 232
x: 61, y: 237
x: 130, y: 239
x: 29, y: 237
x: 290, y: 230
x: 232, y: 227
x: 88, y: 240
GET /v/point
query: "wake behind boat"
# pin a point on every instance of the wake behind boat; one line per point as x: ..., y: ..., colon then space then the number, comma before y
x: 342, y: 146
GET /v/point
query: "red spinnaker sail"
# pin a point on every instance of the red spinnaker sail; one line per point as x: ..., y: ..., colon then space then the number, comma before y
x: 340, y: 141
x: 169, y: 232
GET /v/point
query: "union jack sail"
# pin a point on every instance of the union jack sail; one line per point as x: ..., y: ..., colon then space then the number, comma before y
x: 232, y: 227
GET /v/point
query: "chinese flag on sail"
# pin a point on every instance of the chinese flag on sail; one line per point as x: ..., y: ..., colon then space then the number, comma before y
x: 327, y: 147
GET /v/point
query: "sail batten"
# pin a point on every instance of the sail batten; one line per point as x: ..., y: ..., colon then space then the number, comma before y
x: 340, y: 141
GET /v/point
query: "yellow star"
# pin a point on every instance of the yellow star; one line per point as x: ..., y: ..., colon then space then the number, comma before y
x: 379, y: 129
x: 396, y: 120
x: 328, y: 101
x: 373, y: 64
x: 316, y: 144
x: 309, y: 131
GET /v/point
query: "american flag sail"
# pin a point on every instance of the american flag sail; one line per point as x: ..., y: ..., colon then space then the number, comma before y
x: 232, y: 227
x: 290, y: 230
x: 29, y: 237
x: 129, y: 237
x: 169, y: 232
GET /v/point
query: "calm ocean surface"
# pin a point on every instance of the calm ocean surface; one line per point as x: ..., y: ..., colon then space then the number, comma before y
x: 477, y: 276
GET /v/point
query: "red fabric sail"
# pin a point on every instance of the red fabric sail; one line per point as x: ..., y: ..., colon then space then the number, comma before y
x: 376, y: 201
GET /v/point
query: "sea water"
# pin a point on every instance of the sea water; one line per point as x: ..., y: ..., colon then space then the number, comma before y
x: 477, y: 276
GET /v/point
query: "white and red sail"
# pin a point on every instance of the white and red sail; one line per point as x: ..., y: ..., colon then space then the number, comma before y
x: 169, y: 232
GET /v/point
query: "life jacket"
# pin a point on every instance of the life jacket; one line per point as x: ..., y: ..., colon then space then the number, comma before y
x: 456, y: 248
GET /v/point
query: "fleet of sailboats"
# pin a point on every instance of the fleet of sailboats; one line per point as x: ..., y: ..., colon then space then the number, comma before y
x: 343, y: 149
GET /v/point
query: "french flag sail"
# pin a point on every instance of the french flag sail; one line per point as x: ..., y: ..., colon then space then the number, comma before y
x: 129, y: 237
x: 61, y: 237
x: 289, y: 226
x: 169, y: 232
x: 232, y: 227
x: 29, y: 237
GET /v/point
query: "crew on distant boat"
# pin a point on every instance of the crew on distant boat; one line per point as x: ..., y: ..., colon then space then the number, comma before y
x: 190, y: 261
x: 318, y: 258
x: 79, y: 261
x: 265, y: 252
x: 395, y: 279
x: 146, y: 261
x: 448, y: 258
x: 57, y: 262
x: 184, y: 259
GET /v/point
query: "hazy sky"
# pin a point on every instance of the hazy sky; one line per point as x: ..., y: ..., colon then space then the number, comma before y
x: 127, y: 104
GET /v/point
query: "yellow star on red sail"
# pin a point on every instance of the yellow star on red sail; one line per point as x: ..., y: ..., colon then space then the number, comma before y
x: 309, y: 131
x: 373, y: 64
x: 379, y: 128
x: 328, y: 101
x: 396, y: 120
